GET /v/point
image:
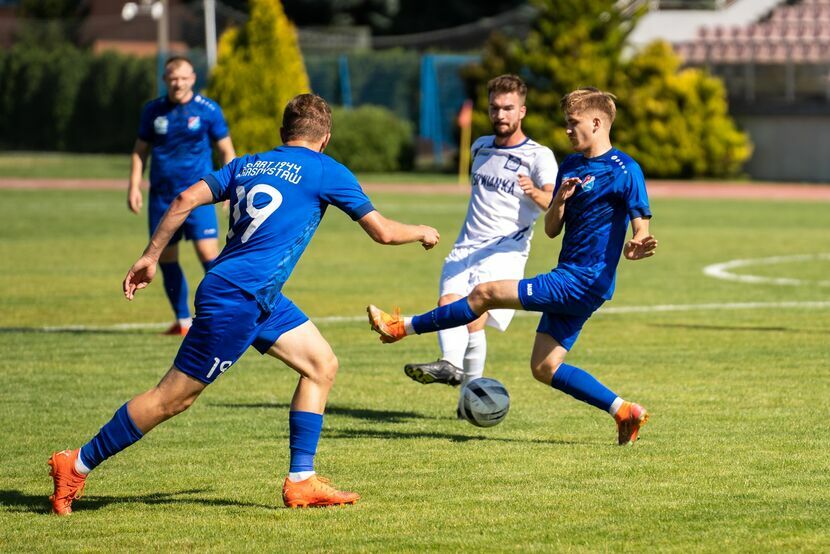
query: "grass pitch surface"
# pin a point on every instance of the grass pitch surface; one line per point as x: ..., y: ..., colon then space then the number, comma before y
x: 735, y: 457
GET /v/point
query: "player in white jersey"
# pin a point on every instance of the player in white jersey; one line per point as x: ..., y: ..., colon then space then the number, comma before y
x: 512, y: 184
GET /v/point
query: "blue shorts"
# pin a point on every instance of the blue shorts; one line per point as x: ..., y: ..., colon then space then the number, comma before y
x: 564, y: 308
x: 229, y: 320
x: 200, y: 224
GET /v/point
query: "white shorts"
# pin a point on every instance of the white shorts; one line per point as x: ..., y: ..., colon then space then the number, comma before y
x: 464, y: 268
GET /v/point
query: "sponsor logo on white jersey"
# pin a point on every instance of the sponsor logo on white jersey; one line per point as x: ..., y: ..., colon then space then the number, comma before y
x: 160, y: 125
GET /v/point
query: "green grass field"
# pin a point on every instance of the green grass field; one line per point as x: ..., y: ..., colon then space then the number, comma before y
x: 59, y: 165
x: 736, y: 456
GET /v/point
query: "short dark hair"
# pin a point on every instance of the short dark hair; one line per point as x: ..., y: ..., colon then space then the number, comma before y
x: 590, y: 98
x: 178, y: 60
x: 507, y: 83
x: 307, y: 116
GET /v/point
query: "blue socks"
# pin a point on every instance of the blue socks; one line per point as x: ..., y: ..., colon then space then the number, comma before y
x: 444, y: 317
x: 303, y: 435
x: 119, y: 433
x: 176, y: 288
x: 583, y: 386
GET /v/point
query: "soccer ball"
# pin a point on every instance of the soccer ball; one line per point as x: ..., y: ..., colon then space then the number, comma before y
x: 484, y: 402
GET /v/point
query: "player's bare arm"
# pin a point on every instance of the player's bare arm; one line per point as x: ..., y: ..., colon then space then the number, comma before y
x: 540, y: 196
x: 555, y: 216
x: 642, y: 244
x: 225, y: 147
x: 138, y: 159
x: 144, y: 269
x: 388, y: 231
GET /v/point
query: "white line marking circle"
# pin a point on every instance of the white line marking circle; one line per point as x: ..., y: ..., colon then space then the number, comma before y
x: 722, y: 270
x: 605, y: 310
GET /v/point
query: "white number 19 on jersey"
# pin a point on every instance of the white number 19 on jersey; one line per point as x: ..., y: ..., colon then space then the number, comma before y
x: 258, y: 215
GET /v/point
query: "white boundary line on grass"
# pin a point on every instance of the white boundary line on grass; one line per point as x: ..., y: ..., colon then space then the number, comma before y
x: 721, y: 270
x: 816, y: 304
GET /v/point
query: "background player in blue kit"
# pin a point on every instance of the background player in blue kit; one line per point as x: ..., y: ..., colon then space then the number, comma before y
x: 179, y: 129
x: 598, y: 191
x: 277, y: 199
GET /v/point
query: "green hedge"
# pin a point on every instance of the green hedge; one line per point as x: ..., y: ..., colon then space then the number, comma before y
x: 371, y: 138
x: 71, y: 100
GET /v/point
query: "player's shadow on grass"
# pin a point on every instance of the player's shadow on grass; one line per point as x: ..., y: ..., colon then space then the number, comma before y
x: 387, y: 416
x: 454, y: 437
x: 16, y: 501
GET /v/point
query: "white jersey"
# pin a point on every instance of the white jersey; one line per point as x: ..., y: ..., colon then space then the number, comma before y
x: 500, y: 214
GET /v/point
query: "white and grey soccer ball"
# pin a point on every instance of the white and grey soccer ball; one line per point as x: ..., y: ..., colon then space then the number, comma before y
x: 484, y: 402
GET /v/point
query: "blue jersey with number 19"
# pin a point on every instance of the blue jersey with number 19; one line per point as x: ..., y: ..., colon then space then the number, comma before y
x: 277, y: 199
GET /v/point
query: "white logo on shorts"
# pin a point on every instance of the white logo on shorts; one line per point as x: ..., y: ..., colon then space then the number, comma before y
x: 530, y: 289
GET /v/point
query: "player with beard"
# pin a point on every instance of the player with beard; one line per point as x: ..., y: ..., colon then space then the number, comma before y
x: 600, y: 190
x: 512, y: 184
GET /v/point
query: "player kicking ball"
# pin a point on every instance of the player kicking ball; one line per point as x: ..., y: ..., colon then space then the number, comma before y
x: 277, y: 199
x: 598, y: 191
x: 511, y: 185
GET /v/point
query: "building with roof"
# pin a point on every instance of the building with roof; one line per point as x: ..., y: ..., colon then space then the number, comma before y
x: 774, y: 58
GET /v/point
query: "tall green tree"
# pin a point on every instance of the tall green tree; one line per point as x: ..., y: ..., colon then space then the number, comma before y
x: 259, y: 69
x: 675, y: 121
x: 664, y: 114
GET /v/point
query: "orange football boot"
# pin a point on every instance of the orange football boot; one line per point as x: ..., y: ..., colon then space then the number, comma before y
x: 176, y: 330
x: 390, y: 327
x: 315, y: 491
x: 630, y: 417
x: 69, y: 484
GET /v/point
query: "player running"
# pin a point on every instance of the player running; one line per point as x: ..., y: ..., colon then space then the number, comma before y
x: 598, y: 190
x: 277, y: 199
x: 179, y: 128
x: 512, y: 184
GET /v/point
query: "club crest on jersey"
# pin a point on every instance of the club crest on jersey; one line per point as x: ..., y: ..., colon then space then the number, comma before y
x: 588, y: 183
x: 160, y: 125
x: 513, y: 163
x: 193, y: 122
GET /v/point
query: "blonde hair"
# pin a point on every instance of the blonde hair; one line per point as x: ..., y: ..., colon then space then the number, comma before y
x: 590, y: 99
x: 174, y: 62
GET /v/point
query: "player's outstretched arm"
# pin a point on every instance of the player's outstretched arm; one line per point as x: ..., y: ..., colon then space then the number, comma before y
x: 138, y: 159
x: 555, y: 216
x: 642, y: 244
x: 389, y: 231
x: 144, y: 269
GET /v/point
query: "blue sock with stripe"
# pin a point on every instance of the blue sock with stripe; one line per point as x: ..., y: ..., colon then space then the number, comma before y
x: 452, y: 315
x: 583, y: 386
x: 116, y: 435
x: 175, y: 286
x: 303, y: 435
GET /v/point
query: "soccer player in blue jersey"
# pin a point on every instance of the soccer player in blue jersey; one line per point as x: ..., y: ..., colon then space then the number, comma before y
x: 177, y: 130
x: 277, y: 199
x: 598, y: 191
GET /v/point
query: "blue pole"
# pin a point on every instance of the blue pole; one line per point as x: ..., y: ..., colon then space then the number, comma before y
x: 430, y: 122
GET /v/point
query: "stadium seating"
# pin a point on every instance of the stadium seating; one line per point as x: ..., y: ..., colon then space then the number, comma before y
x: 791, y: 33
